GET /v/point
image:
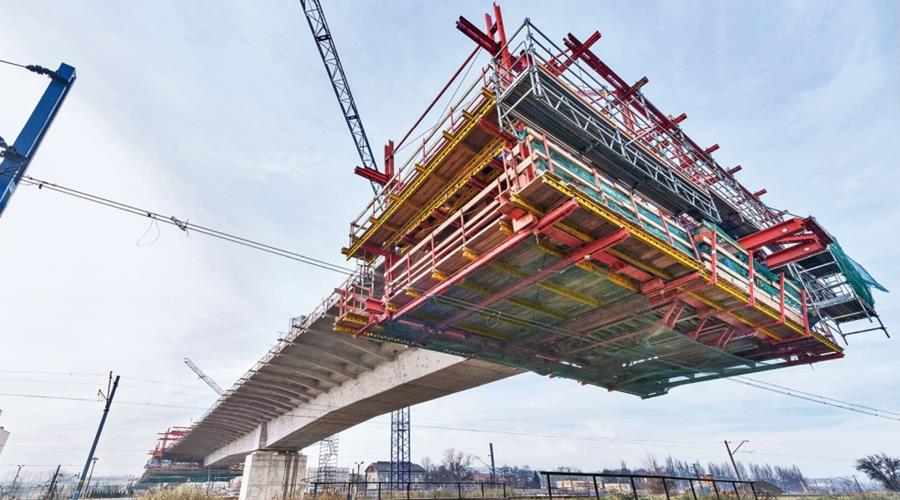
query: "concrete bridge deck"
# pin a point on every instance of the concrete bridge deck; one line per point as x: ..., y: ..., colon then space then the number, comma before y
x: 316, y: 383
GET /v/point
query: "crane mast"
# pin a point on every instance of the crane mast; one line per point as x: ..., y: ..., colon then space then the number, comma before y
x: 325, y: 43
x: 400, y: 424
x: 210, y: 382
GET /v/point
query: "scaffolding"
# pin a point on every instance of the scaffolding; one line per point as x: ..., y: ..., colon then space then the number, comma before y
x: 555, y: 220
x: 327, y: 471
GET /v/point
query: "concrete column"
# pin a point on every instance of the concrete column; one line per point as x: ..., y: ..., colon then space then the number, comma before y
x: 274, y: 475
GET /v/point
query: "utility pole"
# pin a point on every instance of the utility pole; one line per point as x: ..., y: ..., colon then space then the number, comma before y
x: 731, y: 456
x: 51, y: 490
x: 493, y: 468
x: 109, y: 399
x: 12, y: 487
x: 87, y: 485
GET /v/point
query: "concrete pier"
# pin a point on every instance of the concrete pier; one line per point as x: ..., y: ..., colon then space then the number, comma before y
x: 274, y: 475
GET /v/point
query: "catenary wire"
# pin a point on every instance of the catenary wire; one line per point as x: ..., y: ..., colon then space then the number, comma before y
x: 888, y: 412
x: 11, y: 63
x: 186, y: 225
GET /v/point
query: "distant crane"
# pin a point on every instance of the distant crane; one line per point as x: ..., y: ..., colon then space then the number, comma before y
x: 210, y: 382
x: 400, y: 424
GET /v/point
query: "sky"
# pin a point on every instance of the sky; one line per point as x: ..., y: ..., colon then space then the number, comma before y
x: 221, y: 113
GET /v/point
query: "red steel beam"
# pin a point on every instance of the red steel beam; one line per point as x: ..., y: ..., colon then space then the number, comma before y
x: 772, y: 234
x: 584, y: 252
x: 793, y: 254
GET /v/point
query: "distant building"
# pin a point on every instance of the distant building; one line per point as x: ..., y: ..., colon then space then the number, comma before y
x: 381, y: 472
x: 340, y: 475
x: 573, y: 485
x: 480, y: 477
x: 617, y: 487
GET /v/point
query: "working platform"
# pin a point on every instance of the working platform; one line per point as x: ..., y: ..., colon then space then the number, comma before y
x: 563, y: 225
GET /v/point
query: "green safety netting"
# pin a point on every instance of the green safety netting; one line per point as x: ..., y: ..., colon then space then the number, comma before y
x: 859, y: 279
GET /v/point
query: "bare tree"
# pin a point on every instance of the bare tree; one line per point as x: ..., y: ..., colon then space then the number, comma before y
x: 457, y: 464
x: 881, y: 468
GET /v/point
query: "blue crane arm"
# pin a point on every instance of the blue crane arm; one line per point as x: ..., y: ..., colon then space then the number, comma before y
x: 17, y: 158
x: 324, y: 42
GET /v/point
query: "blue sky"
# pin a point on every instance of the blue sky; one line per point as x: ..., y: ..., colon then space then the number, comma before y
x: 223, y: 114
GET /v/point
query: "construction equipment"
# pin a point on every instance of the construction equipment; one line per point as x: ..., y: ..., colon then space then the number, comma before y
x: 400, y: 434
x: 325, y: 43
x: 326, y: 472
x: 18, y: 156
x: 556, y: 220
x: 210, y: 382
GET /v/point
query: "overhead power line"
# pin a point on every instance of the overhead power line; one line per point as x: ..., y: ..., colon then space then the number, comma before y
x: 823, y: 400
x: 185, y: 225
x: 887, y: 412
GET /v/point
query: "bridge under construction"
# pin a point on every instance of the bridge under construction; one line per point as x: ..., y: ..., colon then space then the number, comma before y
x: 553, y: 220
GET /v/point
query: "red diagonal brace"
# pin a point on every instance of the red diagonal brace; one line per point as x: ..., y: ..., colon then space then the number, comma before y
x: 557, y: 68
x: 584, y: 252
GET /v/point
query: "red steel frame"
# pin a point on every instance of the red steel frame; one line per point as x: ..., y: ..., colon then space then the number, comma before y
x: 416, y: 273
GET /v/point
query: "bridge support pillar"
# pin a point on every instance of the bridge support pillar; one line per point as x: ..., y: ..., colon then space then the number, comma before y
x: 273, y: 475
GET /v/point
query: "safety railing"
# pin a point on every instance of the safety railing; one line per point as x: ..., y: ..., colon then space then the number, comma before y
x: 726, y: 260
x: 643, y: 486
x: 549, y: 156
x: 454, y: 122
x: 426, y: 257
x: 409, y: 490
x: 352, y: 297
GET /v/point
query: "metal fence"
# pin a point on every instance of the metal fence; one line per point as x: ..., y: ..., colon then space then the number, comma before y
x: 409, y: 490
x: 644, y: 486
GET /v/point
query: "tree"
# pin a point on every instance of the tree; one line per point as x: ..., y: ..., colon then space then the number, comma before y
x: 430, y: 469
x: 457, y: 464
x: 881, y: 468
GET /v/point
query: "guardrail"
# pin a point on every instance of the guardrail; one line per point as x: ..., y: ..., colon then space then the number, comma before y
x: 638, y: 486
x: 435, y: 490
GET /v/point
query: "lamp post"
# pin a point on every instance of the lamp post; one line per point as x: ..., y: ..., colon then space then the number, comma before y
x: 358, y: 480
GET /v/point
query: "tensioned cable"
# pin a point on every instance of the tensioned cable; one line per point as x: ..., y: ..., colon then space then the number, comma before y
x: 186, y: 225
x: 4, y: 61
x: 820, y: 400
x: 819, y: 396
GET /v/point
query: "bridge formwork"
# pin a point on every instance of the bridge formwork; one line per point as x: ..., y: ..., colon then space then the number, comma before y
x: 552, y: 219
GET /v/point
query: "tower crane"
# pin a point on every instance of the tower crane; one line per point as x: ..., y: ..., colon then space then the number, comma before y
x: 327, y: 50
x: 400, y: 422
x: 210, y: 382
